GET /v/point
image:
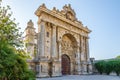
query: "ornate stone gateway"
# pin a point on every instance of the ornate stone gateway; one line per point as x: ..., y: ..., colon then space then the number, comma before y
x: 61, y: 39
x: 65, y: 65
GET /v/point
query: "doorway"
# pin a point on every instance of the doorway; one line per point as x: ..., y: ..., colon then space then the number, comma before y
x: 65, y: 65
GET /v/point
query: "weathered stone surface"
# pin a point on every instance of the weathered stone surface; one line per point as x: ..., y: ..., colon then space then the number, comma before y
x: 59, y: 33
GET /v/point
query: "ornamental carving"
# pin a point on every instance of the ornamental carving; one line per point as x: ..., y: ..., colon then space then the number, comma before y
x: 59, y: 33
x: 68, y: 45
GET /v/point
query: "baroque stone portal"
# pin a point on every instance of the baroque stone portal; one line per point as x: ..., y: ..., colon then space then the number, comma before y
x: 60, y: 47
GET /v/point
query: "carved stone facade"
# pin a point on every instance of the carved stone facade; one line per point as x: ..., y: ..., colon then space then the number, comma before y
x: 62, y: 43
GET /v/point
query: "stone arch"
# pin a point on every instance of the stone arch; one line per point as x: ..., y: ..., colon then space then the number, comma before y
x: 69, y: 43
x: 69, y: 47
x: 63, y: 32
x: 70, y: 36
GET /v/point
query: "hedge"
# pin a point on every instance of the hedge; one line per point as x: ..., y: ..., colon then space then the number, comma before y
x: 108, y: 66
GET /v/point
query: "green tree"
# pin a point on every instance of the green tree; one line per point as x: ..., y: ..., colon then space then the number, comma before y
x: 116, y: 64
x: 13, y: 64
x: 100, y: 66
x: 109, y: 67
x: 9, y: 32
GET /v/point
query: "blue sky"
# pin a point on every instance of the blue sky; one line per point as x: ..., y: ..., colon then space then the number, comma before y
x: 101, y: 16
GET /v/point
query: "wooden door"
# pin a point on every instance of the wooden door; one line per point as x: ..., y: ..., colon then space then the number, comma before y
x: 65, y: 65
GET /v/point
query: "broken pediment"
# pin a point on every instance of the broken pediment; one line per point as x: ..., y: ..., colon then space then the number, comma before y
x: 69, y: 12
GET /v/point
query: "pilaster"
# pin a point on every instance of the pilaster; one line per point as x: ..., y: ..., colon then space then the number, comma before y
x: 82, y: 48
x: 78, y: 60
x: 59, y: 50
x: 41, y: 39
x: 53, y: 42
x: 87, y: 49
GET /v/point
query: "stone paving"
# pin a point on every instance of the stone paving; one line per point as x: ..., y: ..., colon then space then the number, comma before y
x: 84, y: 77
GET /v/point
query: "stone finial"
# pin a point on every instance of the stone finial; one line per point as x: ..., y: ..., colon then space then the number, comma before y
x: 64, y: 7
x: 37, y: 12
x: 69, y: 5
x: 58, y: 10
x: 54, y: 8
x: 86, y: 26
x: 43, y: 6
x: 30, y: 23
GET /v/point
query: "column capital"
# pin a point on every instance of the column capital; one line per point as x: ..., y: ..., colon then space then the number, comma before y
x: 40, y: 21
x: 54, y: 24
x: 87, y: 37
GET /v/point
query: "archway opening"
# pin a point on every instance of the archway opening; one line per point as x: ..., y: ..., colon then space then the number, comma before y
x: 65, y: 65
x: 68, y: 49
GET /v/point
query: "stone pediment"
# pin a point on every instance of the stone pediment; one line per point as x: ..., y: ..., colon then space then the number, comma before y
x: 60, y: 17
x: 68, y: 12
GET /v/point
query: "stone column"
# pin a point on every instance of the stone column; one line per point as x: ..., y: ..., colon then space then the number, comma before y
x: 78, y: 59
x: 53, y: 44
x: 59, y: 50
x: 41, y: 39
x: 59, y: 56
x: 82, y: 48
x: 87, y: 55
x: 83, y: 68
x: 87, y: 49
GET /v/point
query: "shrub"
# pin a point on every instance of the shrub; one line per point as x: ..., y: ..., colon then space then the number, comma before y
x: 116, y: 65
x: 100, y: 66
x: 108, y: 66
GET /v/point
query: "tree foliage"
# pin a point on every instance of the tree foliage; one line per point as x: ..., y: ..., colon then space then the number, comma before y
x: 108, y: 66
x: 116, y: 66
x: 100, y: 66
x: 13, y: 64
x: 9, y: 32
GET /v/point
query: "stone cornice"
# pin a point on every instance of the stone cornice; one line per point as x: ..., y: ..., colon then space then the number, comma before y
x: 61, y: 17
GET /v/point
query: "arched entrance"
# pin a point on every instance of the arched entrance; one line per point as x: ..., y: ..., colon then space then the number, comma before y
x: 65, y: 65
x: 68, y: 51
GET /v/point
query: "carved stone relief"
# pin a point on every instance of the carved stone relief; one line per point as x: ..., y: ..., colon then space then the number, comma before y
x: 67, y: 46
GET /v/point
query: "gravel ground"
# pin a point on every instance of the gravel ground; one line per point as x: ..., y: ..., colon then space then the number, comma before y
x: 84, y: 77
